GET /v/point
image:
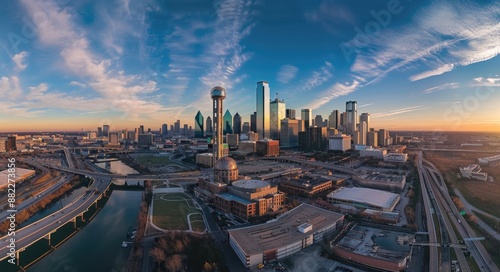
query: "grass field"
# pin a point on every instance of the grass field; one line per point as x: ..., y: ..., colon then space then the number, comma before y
x: 483, y: 195
x: 170, y: 211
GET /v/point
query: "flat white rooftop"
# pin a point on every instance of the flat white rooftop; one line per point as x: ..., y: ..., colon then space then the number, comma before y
x: 372, y: 197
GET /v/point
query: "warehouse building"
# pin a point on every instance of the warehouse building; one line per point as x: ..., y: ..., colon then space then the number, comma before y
x: 364, y: 198
x: 289, y: 233
x: 381, y: 181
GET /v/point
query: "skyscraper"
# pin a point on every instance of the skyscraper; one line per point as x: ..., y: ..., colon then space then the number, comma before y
x: 290, y: 113
x: 177, y: 127
x: 307, y: 116
x: 164, y: 130
x: 237, y: 124
x: 253, y: 122
x: 318, y: 121
x: 141, y: 129
x: 333, y: 119
x: 278, y: 112
x: 105, y: 130
x: 99, y: 132
x: 363, y: 130
x: 245, y: 128
x: 208, y: 127
x: 10, y: 144
x: 263, y: 109
x: 228, y: 123
x: 113, y: 138
x: 218, y: 94
x: 366, y: 118
x: 352, y: 117
x: 289, y: 136
x: 198, y: 125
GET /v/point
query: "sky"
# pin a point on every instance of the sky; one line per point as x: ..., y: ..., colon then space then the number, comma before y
x: 413, y: 65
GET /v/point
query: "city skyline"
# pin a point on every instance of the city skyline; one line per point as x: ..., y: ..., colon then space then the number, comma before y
x: 412, y: 66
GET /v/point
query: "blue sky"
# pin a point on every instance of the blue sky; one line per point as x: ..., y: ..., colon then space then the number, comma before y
x: 421, y: 65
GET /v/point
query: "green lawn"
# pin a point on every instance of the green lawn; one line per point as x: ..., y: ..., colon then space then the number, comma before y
x: 198, y: 226
x: 172, y: 215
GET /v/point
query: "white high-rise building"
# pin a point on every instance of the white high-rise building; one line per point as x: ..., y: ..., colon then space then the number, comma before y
x: 351, y: 109
x: 263, y: 109
x: 278, y: 113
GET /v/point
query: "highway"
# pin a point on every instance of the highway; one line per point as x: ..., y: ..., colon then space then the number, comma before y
x: 41, y: 228
x: 448, y: 235
x: 33, y: 200
x: 433, y: 252
x: 477, y: 250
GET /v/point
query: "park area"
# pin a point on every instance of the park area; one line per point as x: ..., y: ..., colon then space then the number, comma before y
x: 483, y: 195
x: 157, y: 162
x: 176, y: 211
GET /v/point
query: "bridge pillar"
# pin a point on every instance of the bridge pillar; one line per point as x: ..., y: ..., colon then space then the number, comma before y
x: 18, y: 253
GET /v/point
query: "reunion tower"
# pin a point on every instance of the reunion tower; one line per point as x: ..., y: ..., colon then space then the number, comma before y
x: 218, y: 94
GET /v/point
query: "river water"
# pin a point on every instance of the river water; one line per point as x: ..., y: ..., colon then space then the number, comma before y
x: 97, y: 246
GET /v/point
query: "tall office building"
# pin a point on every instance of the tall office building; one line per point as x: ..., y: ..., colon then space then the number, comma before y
x: 307, y: 116
x: 237, y: 124
x: 366, y: 118
x: 253, y: 122
x: 218, y: 94
x: 141, y: 129
x: 290, y: 114
x: 245, y: 128
x: 228, y: 123
x: 382, y: 137
x: 105, y: 130
x: 198, y: 125
x: 333, y: 119
x: 372, y: 138
x: 351, y: 109
x: 164, y: 130
x: 113, y: 138
x: 289, y: 136
x: 99, y: 132
x: 208, y: 127
x: 177, y: 127
x: 263, y: 109
x: 318, y: 121
x: 136, y: 135
x: 363, y: 133
x: 278, y: 112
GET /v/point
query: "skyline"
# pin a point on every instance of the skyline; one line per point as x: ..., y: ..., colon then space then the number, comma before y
x: 412, y: 66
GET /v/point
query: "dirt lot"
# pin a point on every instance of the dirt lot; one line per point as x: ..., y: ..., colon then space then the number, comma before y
x: 483, y: 195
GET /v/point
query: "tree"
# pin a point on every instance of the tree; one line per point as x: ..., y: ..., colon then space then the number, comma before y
x: 158, y: 255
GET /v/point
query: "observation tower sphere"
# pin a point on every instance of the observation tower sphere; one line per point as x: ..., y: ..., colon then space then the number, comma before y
x: 218, y: 92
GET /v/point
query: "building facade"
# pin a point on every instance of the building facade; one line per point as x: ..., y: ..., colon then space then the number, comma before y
x: 307, y: 117
x: 198, y: 125
x: 278, y: 112
x: 263, y: 109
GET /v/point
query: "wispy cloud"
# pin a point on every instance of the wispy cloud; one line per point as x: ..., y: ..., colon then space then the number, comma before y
x: 120, y: 91
x: 488, y: 81
x: 10, y: 88
x: 19, y: 59
x: 287, y: 73
x: 438, y: 71
x: 365, y: 105
x: 78, y: 84
x: 317, y: 77
x: 445, y: 86
x: 399, y: 111
x: 440, y: 37
x: 337, y: 90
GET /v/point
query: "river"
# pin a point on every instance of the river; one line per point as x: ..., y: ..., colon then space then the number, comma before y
x: 97, y: 247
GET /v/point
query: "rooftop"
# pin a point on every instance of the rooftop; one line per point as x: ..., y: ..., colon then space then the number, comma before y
x: 250, y: 183
x: 373, y: 197
x: 19, y: 174
x: 284, y: 230
x: 229, y: 196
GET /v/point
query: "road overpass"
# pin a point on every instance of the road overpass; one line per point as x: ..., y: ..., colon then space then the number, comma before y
x: 44, y: 227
